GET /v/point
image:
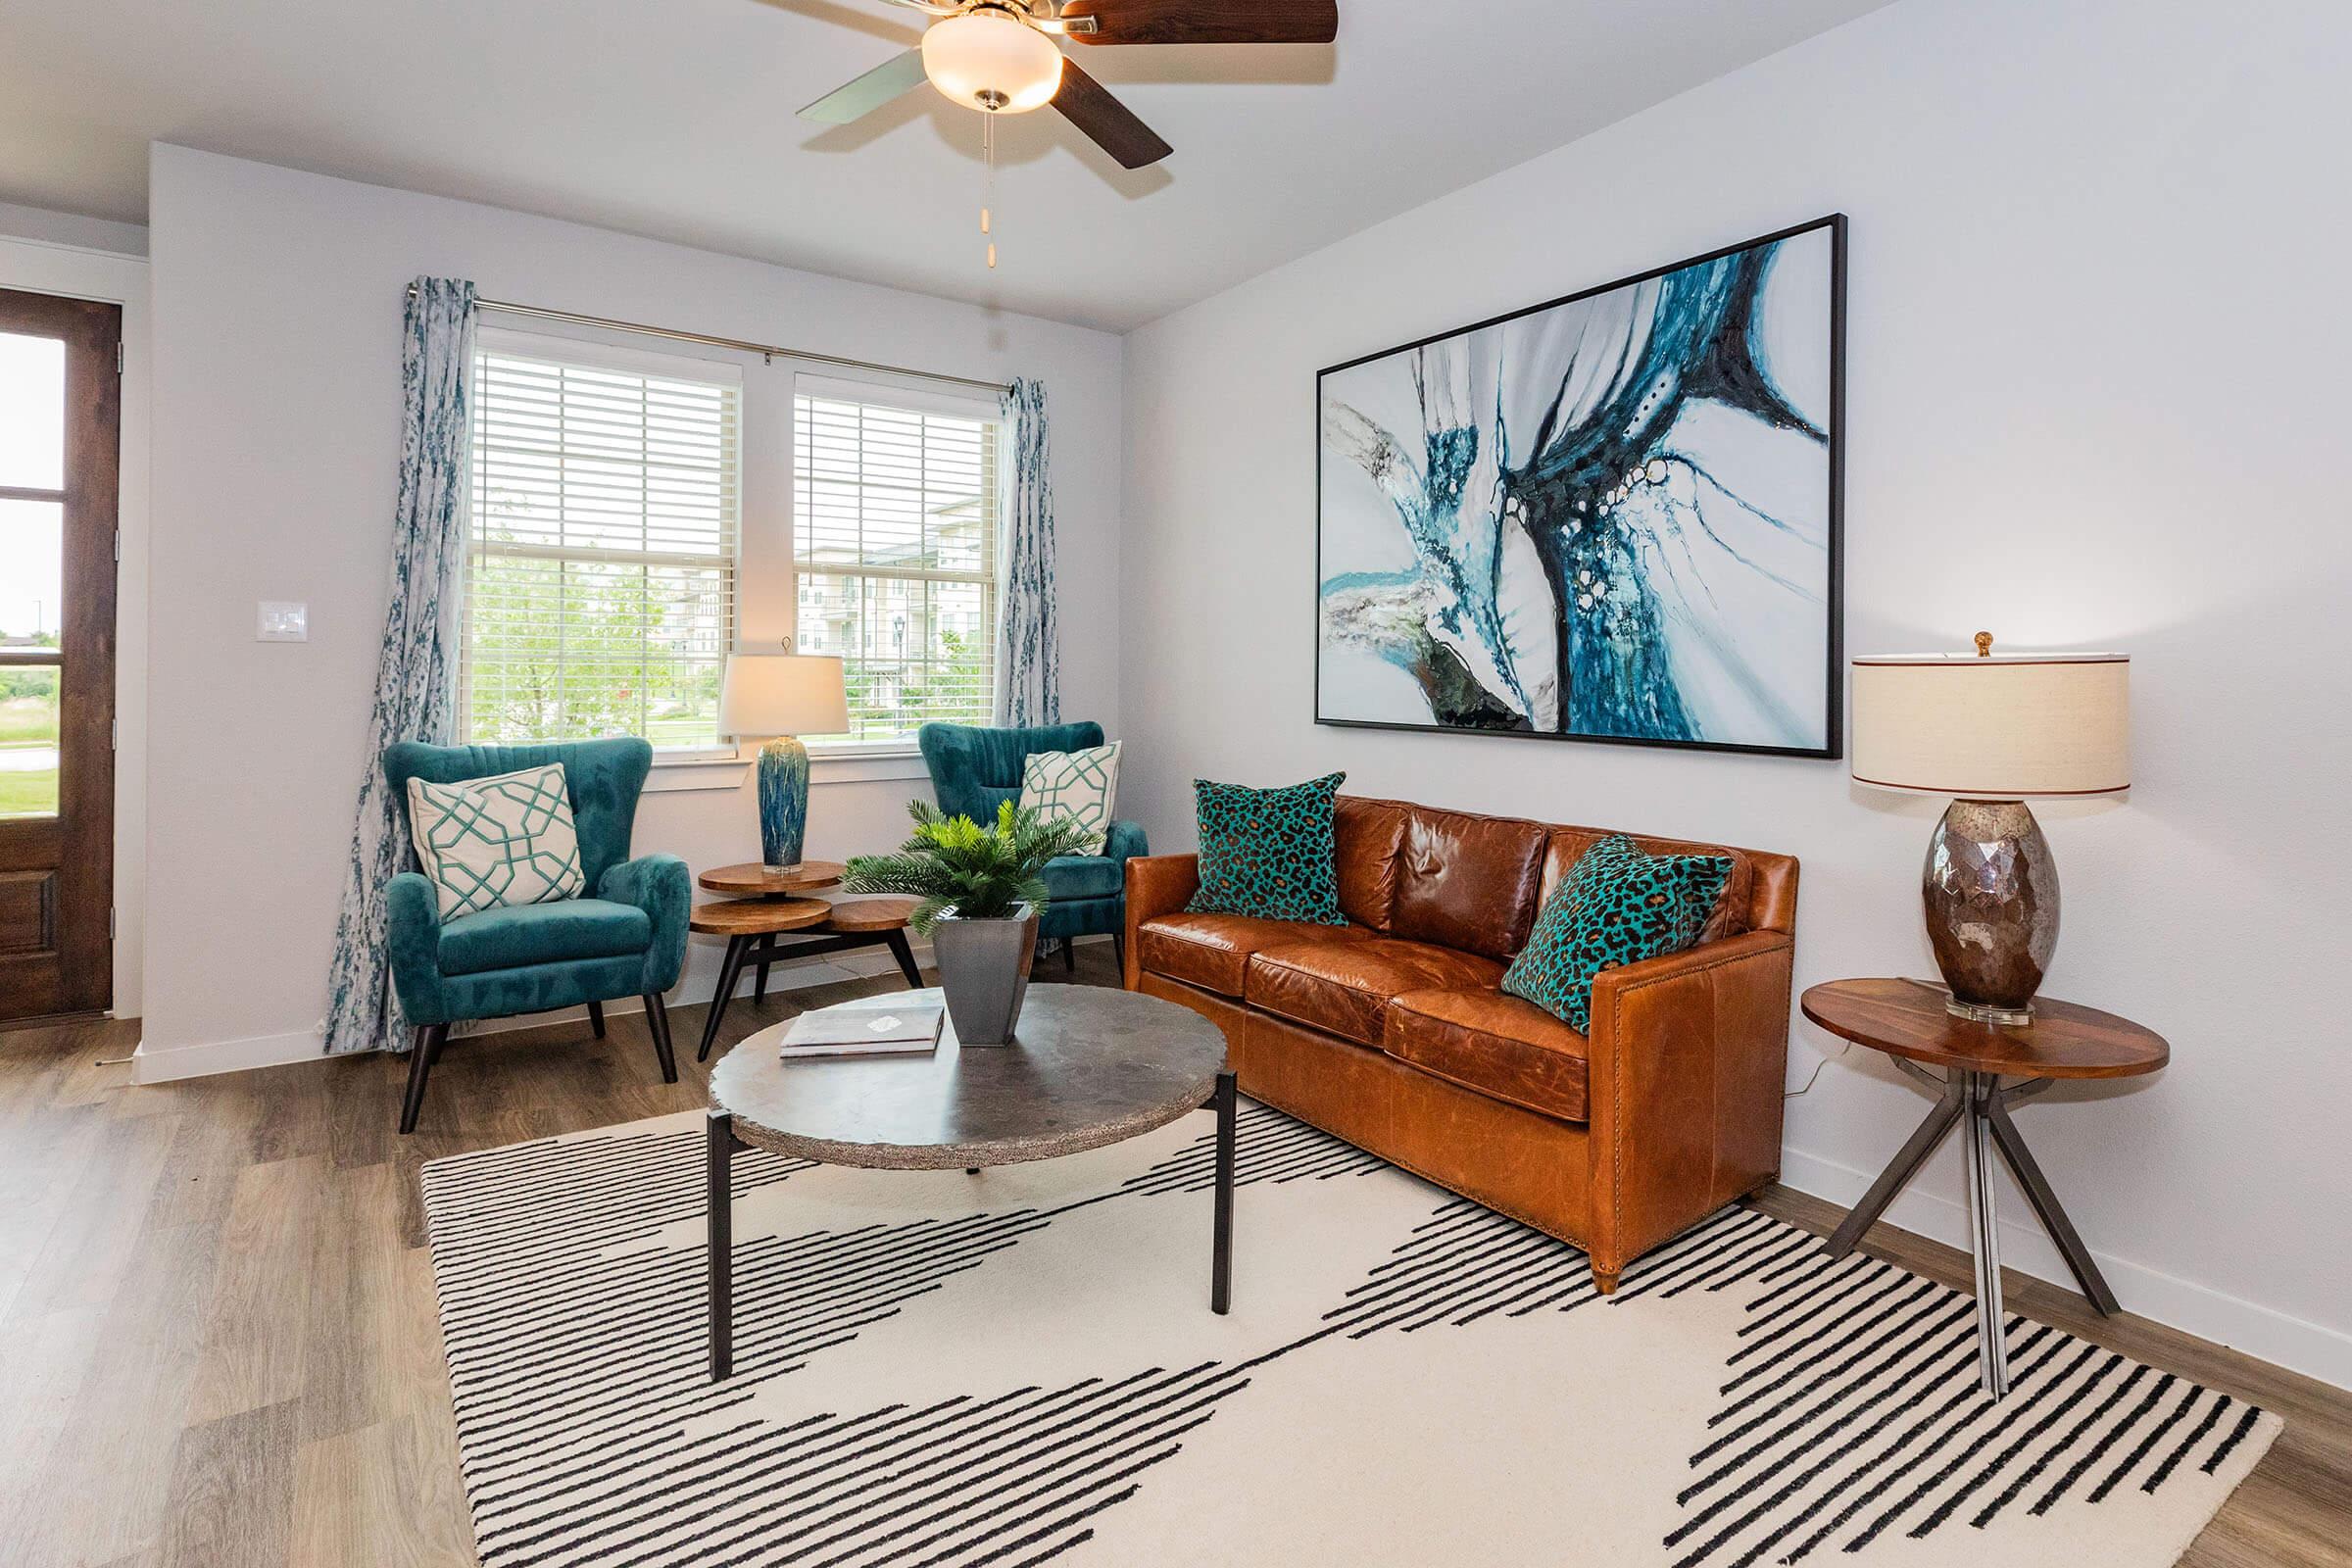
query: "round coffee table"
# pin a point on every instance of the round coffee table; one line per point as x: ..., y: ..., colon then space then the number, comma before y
x: 1907, y: 1020
x: 1088, y: 1066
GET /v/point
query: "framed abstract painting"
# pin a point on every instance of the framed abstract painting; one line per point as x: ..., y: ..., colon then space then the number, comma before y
x: 1615, y: 517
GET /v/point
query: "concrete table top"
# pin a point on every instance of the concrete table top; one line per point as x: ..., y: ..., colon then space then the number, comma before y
x: 1089, y: 1066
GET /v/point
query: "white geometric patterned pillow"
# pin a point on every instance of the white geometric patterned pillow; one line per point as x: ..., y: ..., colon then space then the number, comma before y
x: 1081, y: 784
x: 488, y: 842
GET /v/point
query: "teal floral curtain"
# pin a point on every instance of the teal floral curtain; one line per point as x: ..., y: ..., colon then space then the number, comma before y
x: 1029, y: 653
x: 415, y: 694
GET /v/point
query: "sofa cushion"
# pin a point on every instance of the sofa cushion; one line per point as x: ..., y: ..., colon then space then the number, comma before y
x: 1268, y: 853
x: 524, y: 934
x: 1729, y: 917
x: 1212, y: 951
x: 1344, y: 987
x: 1498, y: 1045
x: 1366, y: 834
x: 1617, y: 906
x: 1467, y: 881
x: 1083, y: 876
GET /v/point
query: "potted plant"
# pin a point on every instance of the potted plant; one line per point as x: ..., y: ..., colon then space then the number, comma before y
x: 980, y: 896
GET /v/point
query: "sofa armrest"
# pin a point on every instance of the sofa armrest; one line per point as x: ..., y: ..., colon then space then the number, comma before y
x: 1690, y: 1056
x: 658, y: 884
x: 1157, y: 885
x: 1126, y: 841
x: 413, y: 945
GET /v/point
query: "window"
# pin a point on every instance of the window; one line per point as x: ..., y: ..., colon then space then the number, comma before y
x: 600, y: 591
x: 896, y: 516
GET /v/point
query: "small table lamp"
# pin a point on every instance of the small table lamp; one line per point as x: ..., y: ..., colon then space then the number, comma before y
x: 1993, y: 730
x: 782, y: 696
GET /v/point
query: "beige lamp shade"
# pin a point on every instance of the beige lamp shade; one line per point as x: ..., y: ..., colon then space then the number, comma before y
x: 1997, y: 727
x: 782, y: 694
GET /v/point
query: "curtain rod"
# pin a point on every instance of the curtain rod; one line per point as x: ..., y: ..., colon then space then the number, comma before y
x: 765, y: 349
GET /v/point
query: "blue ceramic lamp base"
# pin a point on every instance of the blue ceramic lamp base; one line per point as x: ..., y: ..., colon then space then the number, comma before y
x: 783, y: 800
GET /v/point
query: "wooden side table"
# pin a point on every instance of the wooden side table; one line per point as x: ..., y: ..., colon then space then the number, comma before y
x: 1907, y: 1020
x: 766, y: 904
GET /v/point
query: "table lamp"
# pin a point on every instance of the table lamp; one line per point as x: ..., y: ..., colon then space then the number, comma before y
x: 1992, y: 730
x: 782, y: 696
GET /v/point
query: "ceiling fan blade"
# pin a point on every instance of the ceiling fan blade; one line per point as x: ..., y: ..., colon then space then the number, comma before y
x: 1087, y: 104
x: 854, y: 100
x: 1205, y: 21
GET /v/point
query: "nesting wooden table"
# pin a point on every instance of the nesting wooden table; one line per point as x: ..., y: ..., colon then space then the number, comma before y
x: 766, y: 904
x: 1907, y: 1020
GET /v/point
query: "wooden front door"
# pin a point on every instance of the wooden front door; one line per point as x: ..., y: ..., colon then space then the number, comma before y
x: 60, y: 410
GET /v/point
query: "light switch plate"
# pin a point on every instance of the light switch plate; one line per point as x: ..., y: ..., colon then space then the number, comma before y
x: 283, y: 620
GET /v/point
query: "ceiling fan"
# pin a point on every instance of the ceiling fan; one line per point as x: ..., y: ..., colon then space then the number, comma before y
x: 1001, y: 57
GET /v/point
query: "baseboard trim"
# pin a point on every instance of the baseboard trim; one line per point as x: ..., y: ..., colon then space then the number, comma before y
x: 2311, y: 1349
x: 202, y: 1061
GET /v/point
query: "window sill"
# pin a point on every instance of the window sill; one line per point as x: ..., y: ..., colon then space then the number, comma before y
x: 860, y: 768
x: 733, y: 772
x: 696, y: 773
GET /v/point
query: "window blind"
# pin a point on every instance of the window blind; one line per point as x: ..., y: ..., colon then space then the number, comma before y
x: 600, y: 582
x: 897, y: 516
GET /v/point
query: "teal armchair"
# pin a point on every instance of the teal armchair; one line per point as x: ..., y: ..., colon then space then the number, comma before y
x: 625, y: 938
x: 975, y: 769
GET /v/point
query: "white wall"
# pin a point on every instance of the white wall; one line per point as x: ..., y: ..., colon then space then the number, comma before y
x: 278, y: 307
x: 2097, y: 329
x: 87, y: 258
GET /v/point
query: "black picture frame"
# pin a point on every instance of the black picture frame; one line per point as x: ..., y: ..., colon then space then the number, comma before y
x: 1834, y: 720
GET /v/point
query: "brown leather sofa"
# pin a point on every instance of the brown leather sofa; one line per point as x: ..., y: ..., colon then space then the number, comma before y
x: 1391, y: 1033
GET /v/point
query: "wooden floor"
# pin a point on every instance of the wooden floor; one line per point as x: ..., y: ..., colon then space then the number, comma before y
x: 217, y: 1341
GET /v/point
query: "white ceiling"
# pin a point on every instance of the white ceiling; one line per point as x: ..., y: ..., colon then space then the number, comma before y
x: 675, y: 118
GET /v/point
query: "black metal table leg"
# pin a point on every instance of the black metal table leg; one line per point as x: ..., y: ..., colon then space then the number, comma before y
x: 899, y: 950
x: 720, y: 1205
x: 1905, y: 1165
x: 730, y: 970
x: 1220, y: 1282
x: 2045, y: 1200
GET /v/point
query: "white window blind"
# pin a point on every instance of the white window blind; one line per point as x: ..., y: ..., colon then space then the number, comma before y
x: 897, y: 515
x: 600, y: 582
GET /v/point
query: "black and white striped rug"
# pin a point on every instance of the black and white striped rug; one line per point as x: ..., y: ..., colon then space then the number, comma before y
x: 1020, y: 1367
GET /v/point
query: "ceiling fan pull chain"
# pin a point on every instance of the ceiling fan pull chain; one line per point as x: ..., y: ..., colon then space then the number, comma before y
x: 988, y: 159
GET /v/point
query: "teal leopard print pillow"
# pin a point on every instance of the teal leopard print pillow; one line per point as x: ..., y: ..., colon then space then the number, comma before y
x: 1268, y: 853
x: 1616, y: 906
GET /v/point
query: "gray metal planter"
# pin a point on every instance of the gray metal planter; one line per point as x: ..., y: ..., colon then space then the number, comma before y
x: 984, y: 969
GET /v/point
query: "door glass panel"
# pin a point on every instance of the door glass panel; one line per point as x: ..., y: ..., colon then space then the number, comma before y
x: 28, y: 740
x: 31, y: 594
x: 33, y: 411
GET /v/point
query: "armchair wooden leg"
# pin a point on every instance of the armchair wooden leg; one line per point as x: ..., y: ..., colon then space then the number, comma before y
x: 596, y: 1018
x: 1118, y: 950
x: 1069, y: 955
x: 422, y: 1057
x: 657, y: 1022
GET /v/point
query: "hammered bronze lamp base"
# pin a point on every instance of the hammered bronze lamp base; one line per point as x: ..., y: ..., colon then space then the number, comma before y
x: 1991, y: 895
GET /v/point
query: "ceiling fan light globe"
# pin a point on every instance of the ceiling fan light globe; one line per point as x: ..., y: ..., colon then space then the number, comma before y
x: 988, y: 59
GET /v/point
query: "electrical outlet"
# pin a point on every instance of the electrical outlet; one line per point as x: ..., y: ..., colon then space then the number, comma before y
x: 283, y: 620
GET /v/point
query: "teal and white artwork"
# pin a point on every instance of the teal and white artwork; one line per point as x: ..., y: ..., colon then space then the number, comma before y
x: 1614, y: 517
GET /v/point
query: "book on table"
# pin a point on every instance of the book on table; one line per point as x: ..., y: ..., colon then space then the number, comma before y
x: 876, y: 1027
